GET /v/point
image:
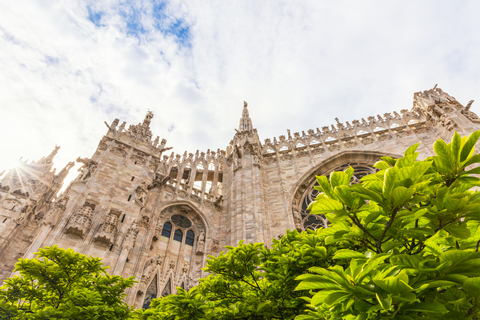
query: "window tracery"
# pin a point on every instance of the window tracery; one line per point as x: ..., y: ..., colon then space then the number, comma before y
x: 150, y: 294
x: 181, y: 221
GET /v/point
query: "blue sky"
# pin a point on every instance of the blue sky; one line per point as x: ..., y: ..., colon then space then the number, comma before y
x: 69, y: 66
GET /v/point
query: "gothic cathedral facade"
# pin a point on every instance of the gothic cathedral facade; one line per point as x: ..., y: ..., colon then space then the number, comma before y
x: 157, y: 216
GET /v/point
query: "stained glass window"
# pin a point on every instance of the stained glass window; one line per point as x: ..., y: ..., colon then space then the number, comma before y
x: 150, y: 294
x: 190, y: 238
x: 181, y: 221
x: 178, y: 236
x: 167, y: 229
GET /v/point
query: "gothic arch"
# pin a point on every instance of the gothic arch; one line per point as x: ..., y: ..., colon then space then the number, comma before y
x: 178, y: 260
x: 361, y: 160
x: 188, y: 204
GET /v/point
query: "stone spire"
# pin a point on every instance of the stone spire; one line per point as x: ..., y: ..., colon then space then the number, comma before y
x: 49, y: 158
x: 245, y: 121
x: 148, y: 119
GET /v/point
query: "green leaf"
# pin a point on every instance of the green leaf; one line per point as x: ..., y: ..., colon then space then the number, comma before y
x: 344, y: 194
x: 338, y: 178
x: 337, y: 297
x: 472, y: 287
x: 314, y: 282
x: 412, y: 149
x: 444, y: 154
x: 381, y: 165
x: 473, y: 159
x: 401, y: 194
x: 458, y: 231
x: 389, y: 181
x: 426, y: 307
x: 325, y: 185
x: 320, y: 296
x: 385, y: 302
x: 348, y: 254
x: 325, y: 205
x: 368, y: 194
x: 455, y: 146
x: 469, y: 145
x: 473, y: 171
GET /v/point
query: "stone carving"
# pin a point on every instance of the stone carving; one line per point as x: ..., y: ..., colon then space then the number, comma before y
x: 286, y: 157
x: 57, y: 210
x: 297, y: 219
x: 26, y: 211
x: 142, y: 131
x: 215, y: 247
x: 470, y: 114
x: 201, y: 243
x: 108, y: 230
x: 236, y: 163
x: 185, y: 268
x: 120, y: 151
x: 144, y: 221
x: 103, y: 145
x: 141, y: 194
x: 172, y: 265
x: 446, y: 121
x: 81, y: 222
x: 130, y: 237
x: 148, y: 270
x: 256, y: 160
x: 87, y: 169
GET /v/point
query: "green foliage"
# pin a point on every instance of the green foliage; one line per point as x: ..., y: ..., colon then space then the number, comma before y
x: 412, y: 235
x: 63, y: 284
x: 250, y: 281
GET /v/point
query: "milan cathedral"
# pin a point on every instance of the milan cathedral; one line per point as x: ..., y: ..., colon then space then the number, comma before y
x: 157, y: 216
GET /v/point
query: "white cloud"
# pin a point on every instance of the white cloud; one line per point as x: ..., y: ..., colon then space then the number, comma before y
x: 298, y: 64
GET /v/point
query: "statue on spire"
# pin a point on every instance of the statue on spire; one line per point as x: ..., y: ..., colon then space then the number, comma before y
x: 245, y: 121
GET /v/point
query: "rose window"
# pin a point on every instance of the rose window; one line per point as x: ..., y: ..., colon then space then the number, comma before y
x: 181, y: 221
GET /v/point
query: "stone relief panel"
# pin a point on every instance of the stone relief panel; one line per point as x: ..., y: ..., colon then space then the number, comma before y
x: 108, y: 230
x: 81, y: 221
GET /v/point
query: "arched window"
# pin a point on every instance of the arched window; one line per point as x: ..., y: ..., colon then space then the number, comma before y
x: 178, y: 236
x: 190, y: 238
x: 167, y: 229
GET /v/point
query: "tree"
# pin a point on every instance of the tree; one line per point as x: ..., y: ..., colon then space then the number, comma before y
x: 415, y: 229
x: 63, y: 284
x: 249, y: 281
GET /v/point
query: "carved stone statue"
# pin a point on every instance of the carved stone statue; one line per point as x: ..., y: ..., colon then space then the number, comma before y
x: 87, y: 169
x: 130, y: 237
x: 201, y: 243
x: 236, y: 163
x: 256, y: 160
x: 447, y: 122
x: 470, y: 114
x: 27, y: 210
x: 141, y: 192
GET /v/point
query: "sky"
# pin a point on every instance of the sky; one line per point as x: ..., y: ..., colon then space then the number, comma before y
x: 68, y: 66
